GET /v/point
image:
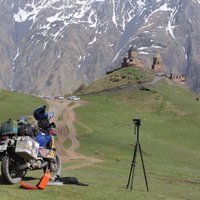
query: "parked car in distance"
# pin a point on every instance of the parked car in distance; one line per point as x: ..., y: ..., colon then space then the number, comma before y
x: 59, y: 97
x: 45, y: 96
x: 74, y: 98
x: 160, y: 74
x: 70, y: 97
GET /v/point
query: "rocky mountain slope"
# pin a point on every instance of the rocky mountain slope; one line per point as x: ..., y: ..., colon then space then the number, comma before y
x: 53, y: 46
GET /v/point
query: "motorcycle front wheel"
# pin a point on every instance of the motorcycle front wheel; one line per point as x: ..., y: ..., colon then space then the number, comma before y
x: 55, y: 167
x: 9, y: 171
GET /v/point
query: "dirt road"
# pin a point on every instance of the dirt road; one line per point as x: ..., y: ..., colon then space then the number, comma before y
x: 64, y: 119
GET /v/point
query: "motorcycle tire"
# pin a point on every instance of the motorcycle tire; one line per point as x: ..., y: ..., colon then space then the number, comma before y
x: 9, y: 172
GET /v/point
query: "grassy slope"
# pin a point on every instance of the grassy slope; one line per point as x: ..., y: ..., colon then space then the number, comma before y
x: 14, y: 105
x: 119, y: 78
x: 169, y: 136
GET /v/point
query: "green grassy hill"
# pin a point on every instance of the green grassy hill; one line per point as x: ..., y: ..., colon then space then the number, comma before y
x: 169, y: 136
x: 119, y: 79
x: 13, y: 105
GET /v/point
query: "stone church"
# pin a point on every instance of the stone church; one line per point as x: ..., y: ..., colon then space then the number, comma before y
x: 132, y: 60
x: 158, y: 65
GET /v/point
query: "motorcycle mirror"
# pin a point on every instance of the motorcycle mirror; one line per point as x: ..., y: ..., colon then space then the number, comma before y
x: 51, y: 114
x: 53, y: 125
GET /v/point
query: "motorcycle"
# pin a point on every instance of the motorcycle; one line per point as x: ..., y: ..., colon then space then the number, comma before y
x: 23, y: 147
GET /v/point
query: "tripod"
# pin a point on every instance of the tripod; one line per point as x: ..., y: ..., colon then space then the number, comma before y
x: 133, y: 164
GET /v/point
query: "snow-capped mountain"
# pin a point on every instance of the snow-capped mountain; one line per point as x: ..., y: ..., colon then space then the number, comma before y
x: 53, y: 46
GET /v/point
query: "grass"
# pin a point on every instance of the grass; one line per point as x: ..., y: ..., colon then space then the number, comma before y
x: 117, y: 79
x: 14, y: 105
x: 67, y: 144
x: 169, y: 136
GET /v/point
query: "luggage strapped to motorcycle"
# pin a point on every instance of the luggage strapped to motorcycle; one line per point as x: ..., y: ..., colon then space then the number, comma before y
x: 9, y: 128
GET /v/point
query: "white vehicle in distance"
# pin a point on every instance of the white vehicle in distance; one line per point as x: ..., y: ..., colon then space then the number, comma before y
x: 61, y: 97
x: 74, y: 98
x: 46, y: 97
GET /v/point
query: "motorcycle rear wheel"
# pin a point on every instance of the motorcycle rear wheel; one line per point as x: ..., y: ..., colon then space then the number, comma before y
x: 9, y: 171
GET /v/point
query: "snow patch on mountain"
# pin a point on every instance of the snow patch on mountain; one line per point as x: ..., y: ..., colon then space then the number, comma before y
x: 93, y: 41
x: 196, y: 1
x: 85, y: 38
x: 170, y: 27
x: 113, y: 14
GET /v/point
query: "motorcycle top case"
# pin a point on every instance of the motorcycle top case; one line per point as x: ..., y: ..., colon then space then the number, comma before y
x: 27, y: 147
x: 9, y: 127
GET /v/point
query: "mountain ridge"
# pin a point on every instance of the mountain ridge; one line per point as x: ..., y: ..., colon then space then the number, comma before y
x: 54, y: 46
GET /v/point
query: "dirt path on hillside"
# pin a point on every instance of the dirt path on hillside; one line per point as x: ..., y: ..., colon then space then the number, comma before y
x: 64, y: 118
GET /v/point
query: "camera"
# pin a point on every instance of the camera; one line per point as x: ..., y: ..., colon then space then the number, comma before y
x: 137, y: 122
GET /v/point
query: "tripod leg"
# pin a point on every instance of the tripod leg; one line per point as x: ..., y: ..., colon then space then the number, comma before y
x: 133, y: 164
x: 131, y: 170
x: 145, y: 177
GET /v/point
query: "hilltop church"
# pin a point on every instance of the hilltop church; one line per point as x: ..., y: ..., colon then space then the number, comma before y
x: 132, y: 60
x: 157, y: 66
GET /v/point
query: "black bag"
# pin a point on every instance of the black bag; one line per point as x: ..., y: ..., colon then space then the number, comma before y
x: 43, y: 124
x: 70, y: 180
x: 26, y: 130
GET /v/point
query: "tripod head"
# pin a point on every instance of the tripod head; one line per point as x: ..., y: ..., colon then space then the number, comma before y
x: 137, y: 122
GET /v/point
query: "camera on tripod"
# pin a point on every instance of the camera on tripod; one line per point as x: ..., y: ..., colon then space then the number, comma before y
x: 137, y: 122
x: 138, y: 147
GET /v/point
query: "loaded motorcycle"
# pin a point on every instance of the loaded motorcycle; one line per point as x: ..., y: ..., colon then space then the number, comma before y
x: 24, y: 147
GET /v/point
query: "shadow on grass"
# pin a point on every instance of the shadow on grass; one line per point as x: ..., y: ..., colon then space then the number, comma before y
x: 28, y: 178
